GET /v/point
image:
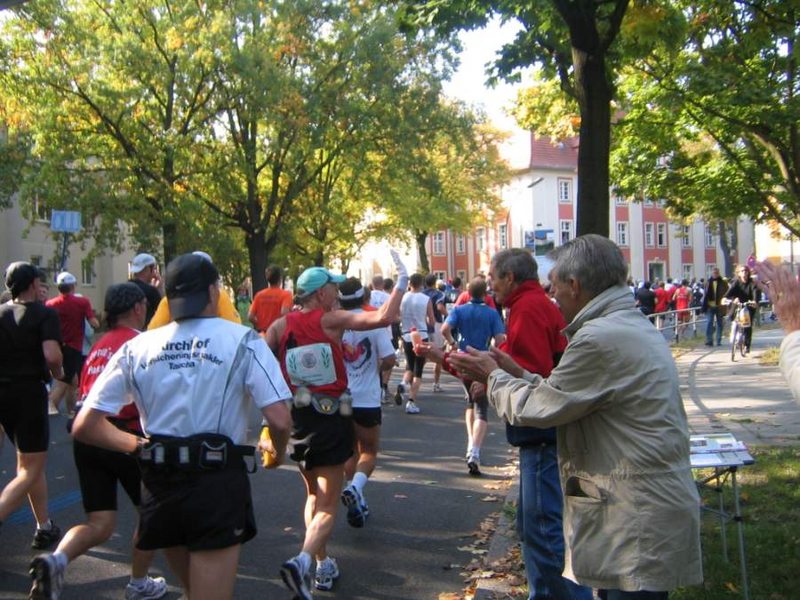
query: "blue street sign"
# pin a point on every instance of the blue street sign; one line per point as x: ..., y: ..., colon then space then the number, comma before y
x: 67, y: 221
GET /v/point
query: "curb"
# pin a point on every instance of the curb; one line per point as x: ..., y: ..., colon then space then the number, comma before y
x: 503, y: 540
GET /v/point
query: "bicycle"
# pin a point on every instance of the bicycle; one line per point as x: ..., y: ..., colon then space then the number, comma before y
x: 741, y: 322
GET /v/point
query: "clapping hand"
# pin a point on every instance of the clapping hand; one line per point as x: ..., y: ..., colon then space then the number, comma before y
x: 783, y: 290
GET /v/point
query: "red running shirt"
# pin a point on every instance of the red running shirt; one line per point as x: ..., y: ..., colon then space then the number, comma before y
x: 72, y: 310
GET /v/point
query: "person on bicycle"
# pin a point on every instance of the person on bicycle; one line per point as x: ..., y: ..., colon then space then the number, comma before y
x: 744, y: 290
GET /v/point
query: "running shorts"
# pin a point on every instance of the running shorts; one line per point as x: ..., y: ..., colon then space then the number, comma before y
x: 479, y: 403
x: 320, y: 440
x: 414, y: 363
x: 99, y: 470
x: 23, y: 415
x: 367, y: 417
x: 206, y: 510
x: 73, y: 363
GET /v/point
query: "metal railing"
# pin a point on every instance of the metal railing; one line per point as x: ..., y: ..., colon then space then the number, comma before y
x: 667, y: 322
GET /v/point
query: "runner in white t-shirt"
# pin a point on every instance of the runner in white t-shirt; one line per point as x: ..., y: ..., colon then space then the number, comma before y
x: 366, y: 355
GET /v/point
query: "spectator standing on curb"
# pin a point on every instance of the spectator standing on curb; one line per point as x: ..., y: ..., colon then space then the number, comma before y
x: 631, y: 518
x: 100, y: 470
x: 271, y: 303
x: 145, y: 274
x: 308, y: 343
x: 193, y: 382
x: 716, y: 289
x: 72, y: 311
x: 30, y: 353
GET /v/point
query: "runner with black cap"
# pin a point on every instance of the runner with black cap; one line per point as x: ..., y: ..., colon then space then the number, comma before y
x: 192, y: 382
x: 100, y: 470
x: 309, y: 346
x: 30, y: 353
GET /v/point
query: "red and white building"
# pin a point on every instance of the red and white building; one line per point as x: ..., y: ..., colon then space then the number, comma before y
x: 539, y: 211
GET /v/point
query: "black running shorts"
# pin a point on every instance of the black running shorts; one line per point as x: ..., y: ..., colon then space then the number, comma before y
x: 480, y: 402
x: 413, y: 362
x: 207, y: 510
x: 320, y: 440
x: 23, y: 415
x: 368, y: 417
x: 99, y: 470
x: 73, y: 363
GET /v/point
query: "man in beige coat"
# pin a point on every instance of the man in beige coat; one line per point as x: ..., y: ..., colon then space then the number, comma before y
x: 631, y: 508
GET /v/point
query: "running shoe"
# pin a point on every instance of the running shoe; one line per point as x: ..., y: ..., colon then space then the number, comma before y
x: 297, y: 579
x: 354, y: 501
x: 48, y: 578
x: 44, y: 538
x: 437, y: 387
x: 412, y: 408
x: 152, y: 589
x: 327, y: 573
x: 400, y: 394
x: 474, y: 465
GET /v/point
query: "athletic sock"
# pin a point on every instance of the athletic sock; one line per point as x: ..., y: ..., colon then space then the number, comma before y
x: 359, y: 481
x: 138, y: 582
x: 46, y: 526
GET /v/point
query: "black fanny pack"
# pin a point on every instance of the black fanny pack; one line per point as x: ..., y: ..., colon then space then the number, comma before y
x: 196, y: 453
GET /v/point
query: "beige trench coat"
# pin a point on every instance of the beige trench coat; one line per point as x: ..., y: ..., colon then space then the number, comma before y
x: 631, y: 508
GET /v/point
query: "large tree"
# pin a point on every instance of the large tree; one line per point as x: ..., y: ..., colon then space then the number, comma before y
x: 713, y: 126
x: 574, y: 42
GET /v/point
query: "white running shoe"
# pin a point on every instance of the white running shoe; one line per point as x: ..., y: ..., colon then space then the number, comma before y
x: 152, y: 589
x: 437, y: 387
x: 47, y: 576
x: 297, y: 579
x: 327, y: 573
x: 357, y: 510
x: 412, y: 408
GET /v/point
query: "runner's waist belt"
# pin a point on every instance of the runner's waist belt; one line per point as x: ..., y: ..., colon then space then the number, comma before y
x: 197, y: 453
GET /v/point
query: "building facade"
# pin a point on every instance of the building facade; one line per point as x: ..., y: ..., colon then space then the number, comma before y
x: 539, y: 213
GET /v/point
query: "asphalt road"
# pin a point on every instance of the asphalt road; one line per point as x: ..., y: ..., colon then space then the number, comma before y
x: 424, y: 507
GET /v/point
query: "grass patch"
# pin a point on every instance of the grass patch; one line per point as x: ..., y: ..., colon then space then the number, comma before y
x: 769, y: 358
x: 770, y: 495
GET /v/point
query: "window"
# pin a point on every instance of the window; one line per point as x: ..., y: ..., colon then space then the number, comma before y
x: 648, y: 202
x: 480, y: 239
x: 87, y: 271
x: 564, y: 190
x: 438, y: 243
x: 461, y: 243
x: 502, y: 235
x: 649, y: 235
x: 686, y: 271
x: 619, y: 199
x: 661, y: 235
x: 462, y: 275
x: 622, y: 233
x: 709, y: 237
x: 661, y: 203
x: 40, y: 211
x: 686, y: 236
x: 566, y: 230
x: 440, y: 275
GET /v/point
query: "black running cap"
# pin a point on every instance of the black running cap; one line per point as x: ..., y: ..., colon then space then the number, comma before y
x: 186, y: 283
x: 121, y: 297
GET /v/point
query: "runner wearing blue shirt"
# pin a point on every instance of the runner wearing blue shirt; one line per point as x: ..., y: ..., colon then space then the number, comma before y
x: 477, y: 325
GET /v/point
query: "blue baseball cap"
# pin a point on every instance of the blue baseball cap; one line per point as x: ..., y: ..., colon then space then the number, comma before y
x: 314, y: 278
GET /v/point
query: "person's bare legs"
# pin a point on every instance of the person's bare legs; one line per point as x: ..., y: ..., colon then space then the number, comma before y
x: 30, y: 467
x: 469, y: 419
x: 416, y: 383
x: 178, y: 559
x: 323, y: 485
x: 37, y: 497
x: 212, y: 573
x: 80, y: 539
x: 479, y: 427
x: 58, y: 391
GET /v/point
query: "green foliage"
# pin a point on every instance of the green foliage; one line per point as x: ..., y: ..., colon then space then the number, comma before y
x: 722, y: 110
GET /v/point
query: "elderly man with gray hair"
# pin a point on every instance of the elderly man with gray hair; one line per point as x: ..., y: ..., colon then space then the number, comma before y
x: 631, y: 518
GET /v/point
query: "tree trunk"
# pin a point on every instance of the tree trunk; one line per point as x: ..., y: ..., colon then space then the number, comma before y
x: 257, y: 253
x: 594, y: 98
x: 424, y: 265
x: 170, y: 233
x: 728, y: 242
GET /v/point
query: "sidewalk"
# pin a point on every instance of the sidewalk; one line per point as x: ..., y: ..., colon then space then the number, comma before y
x: 744, y: 397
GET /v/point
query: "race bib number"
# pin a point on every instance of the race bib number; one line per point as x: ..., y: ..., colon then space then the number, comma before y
x: 310, y: 365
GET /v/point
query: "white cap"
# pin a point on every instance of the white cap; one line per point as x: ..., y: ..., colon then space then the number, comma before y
x: 141, y: 261
x: 65, y: 278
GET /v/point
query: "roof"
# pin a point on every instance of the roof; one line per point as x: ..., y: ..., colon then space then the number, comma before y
x: 546, y: 154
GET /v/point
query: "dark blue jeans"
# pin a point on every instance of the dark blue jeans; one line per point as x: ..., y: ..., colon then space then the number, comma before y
x: 714, y: 315
x: 539, y: 513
